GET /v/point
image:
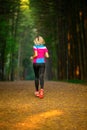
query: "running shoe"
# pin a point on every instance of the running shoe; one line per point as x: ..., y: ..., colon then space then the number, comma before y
x: 37, y: 93
x: 41, y: 93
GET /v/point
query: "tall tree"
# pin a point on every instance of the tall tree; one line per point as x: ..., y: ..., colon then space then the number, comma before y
x: 67, y: 46
x: 9, y: 11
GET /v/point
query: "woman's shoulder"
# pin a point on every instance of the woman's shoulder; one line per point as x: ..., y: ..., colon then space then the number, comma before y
x: 34, y: 46
x: 39, y: 46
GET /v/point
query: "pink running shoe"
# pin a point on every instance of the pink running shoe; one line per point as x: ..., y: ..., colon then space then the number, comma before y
x: 41, y: 93
x: 37, y: 93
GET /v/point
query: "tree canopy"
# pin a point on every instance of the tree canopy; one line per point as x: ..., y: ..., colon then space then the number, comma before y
x: 63, y: 25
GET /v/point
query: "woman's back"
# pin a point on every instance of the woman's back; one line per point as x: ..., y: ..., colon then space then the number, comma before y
x: 41, y: 52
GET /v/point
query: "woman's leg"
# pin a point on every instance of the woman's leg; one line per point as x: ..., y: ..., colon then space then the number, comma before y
x: 36, y: 72
x: 41, y: 75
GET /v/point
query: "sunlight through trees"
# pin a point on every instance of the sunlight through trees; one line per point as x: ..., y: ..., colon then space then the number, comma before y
x: 63, y: 28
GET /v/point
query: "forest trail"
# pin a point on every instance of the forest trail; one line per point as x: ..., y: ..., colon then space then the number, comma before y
x: 64, y: 106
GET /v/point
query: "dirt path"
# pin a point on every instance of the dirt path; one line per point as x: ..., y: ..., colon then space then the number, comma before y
x: 64, y: 106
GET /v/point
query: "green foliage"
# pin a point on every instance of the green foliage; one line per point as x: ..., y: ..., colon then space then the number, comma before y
x: 59, y: 24
x: 8, y: 24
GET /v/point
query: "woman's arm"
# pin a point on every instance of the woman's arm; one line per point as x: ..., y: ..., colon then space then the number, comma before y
x: 35, y: 55
x: 47, y: 55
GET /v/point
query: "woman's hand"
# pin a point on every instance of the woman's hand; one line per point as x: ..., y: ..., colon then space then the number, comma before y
x: 34, y: 56
x: 46, y: 55
x: 31, y: 57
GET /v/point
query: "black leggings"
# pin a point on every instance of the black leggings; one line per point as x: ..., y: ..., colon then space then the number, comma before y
x: 39, y: 70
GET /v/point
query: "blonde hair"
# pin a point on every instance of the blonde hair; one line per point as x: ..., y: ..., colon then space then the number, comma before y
x: 39, y: 40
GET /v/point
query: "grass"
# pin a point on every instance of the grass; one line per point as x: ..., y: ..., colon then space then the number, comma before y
x: 77, y: 81
x: 74, y: 81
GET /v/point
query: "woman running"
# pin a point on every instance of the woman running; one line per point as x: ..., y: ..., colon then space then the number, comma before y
x: 40, y: 53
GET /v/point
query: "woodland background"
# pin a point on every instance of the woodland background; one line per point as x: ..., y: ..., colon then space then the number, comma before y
x: 62, y: 23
